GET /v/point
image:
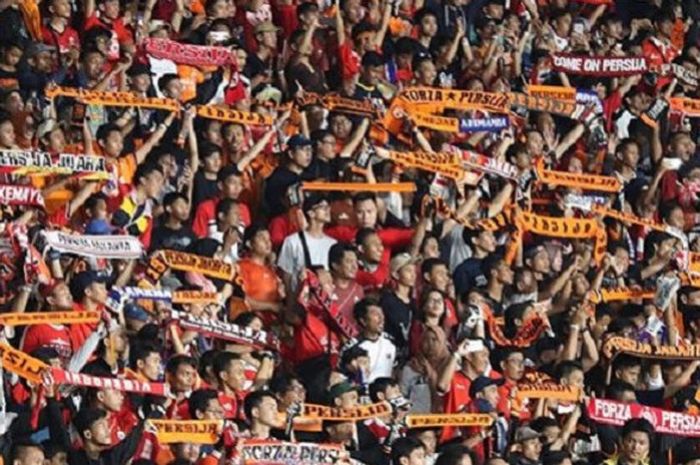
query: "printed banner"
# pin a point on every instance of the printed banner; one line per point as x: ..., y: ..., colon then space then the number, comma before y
x: 688, y: 106
x: 211, y: 267
x: 485, y: 164
x: 610, y: 412
x: 619, y: 344
x: 599, y: 66
x: 360, y: 186
x: 621, y: 293
x: 415, y: 97
x: 125, y: 385
x: 339, y: 104
x: 17, y: 362
x: 679, y: 72
x: 233, y: 116
x: 459, y: 125
x: 227, y: 331
x: 316, y: 300
x: 548, y: 391
x: 192, y: 431
x: 113, y: 99
x: 437, y: 420
x: 33, y: 162
x: 361, y: 412
x: 20, y: 195
x: 495, y: 223
x: 555, y: 92
x: 176, y: 297
x: 188, y: 54
x: 194, y: 297
x: 124, y: 247
x: 633, y: 219
x: 565, y: 108
x: 439, y: 163
x: 38, y: 318
x: 592, y: 182
x: 271, y: 452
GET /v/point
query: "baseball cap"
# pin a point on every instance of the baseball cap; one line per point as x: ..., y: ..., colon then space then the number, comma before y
x: 39, y: 47
x: 481, y: 383
x: 83, y: 280
x: 266, y: 26
x: 135, y: 312
x: 298, y: 140
x: 341, y: 388
x: 399, y: 261
x: 266, y: 93
x: 138, y: 69
x: 525, y: 433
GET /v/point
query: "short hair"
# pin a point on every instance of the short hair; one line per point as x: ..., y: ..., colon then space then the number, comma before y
x: 403, y: 447
x: 362, y: 196
x: 253, y: 400
x: 19, y: 448
x: 624, y: 361
x: 380, y: 385
x: 207, y: 149
x: 165, y: 80
x: 171, y: 197
x: 337, y: 253
x: 361, y: 308
x: 92, y: 201
x: 206, y: 361
x: 453, y: 455
x: 199, y: 400
x: 145, y: 170
x: 567, y: 367
x: 226, y: 172
x: 224, y: 206
x: 422, y: 13
x: 223, y: 360
x: 641, y: 425
x: 141, y: 351
x: 86, y: 417
x: 362, y: 234
x: 282, y: 382
x: 430, y: 263
x: 105, y: 130
x: 177, y: 360
x: 617, y: 388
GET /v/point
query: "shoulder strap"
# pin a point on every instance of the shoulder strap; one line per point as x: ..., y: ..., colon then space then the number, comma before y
x: 305, y: 246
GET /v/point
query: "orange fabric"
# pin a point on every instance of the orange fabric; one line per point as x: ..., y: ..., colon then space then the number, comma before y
x: 259, y: 281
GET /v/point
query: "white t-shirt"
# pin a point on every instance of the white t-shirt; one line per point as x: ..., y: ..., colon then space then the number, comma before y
x: 382, y: 355
x: 291, y: 258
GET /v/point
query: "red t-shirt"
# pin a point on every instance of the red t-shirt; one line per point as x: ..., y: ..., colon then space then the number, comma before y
x: 349, y: 60
x: 374, y: 280
x: 63, y: 41
x: 312, y: 339
x: 121, y: 34
x: 206, y: 214
x: 55, y: 336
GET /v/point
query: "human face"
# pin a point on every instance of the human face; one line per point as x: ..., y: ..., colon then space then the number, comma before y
x: 214, y: 411
x: 630, y: 374
x: 407, y: 275
x: 185, y: 376
x: 301, y: 156
x: 374, y: 321
x: 635, y: 446
x: 232, y: 187
x: 430, y: 345
x: 154, y: 184
x: 100, y: 433
x: 535, y: 143
x: 429, y: 439
x: 366, y: 213
x: 514, y: 366
x: 94, y: 63
x: 30, y: 456
x: 174, y: 89
x: 141, y: 82
x: 353, y: 11
x: 321, y: 212
x: 428, y: 26
x: 151, y: 366
x: 61, y: 298
x: 180, y: 209
x: 531, y: 449
x: 541, y: 262
x: 268, y: 39
x: 187, y: 451
x: 431, y: 248
x: 96, y: 292
x: 7, y: 135
x: 235, y: 137
x: 630, y: 155
x: 439, y: 277
x: 213, y: 133
x: 110, y: 9
x: 486, y: 241
x: 296, y: 393
x: 60, y: 458
x: 13, y: 55
x: 575, y: 379
x: 341, y: 127
x: 478, y: 361
x: 234, y: 376
x: 60, y: 8
x: 426, y: 73
x: 417, y: 457
x: 112, y: 399
x: 434, y: 305
x: 212, y: 163
x: 348, y: 400
x: 261, y: 243
x: 267, y: 412
x: 490, y: 393
x: 326, y: 147
x: 372, y: 248
x: 551, y: 433
x: 56, y: 140
x: 347, y: 268
x: 222, y: 9
x: 113, y: 144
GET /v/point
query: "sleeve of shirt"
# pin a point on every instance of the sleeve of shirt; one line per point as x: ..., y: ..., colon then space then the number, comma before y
x: 200, y: 225
x: 395, y: 238
x: 287, y: 258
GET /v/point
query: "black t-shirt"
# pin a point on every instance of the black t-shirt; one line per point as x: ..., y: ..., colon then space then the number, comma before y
x: 397, y: 318
x: 468, y: 275
x: 204, y: 189
x: 164, y: 237
x: 276, y: 189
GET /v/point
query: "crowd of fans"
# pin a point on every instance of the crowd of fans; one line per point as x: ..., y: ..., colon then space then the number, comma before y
x: 368, y: 294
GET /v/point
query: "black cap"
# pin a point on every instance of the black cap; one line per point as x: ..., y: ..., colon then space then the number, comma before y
x: 138, y: 69
x: 82, y: 281
x: 481, y: 383
x: 299, y: 140
x: 372, y: 59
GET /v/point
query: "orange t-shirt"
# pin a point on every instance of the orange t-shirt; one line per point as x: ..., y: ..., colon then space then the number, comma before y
x: 259, y: 281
